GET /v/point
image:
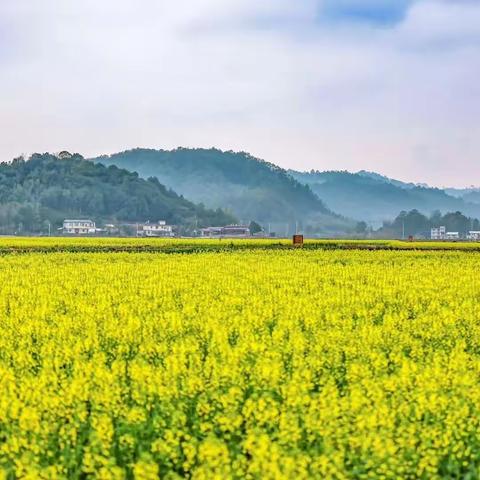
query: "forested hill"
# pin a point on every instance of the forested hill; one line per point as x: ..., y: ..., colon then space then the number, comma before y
x: 46, y: 188
x: 250, y: 188
x: 374, y: 198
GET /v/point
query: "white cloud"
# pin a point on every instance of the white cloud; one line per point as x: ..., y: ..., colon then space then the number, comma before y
x: 266, y: 77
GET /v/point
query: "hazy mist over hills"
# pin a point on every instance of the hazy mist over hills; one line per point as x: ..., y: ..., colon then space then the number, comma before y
x: 374, y: 198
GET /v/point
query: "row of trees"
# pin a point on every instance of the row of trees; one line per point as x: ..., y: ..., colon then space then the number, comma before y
x: 419, y: 225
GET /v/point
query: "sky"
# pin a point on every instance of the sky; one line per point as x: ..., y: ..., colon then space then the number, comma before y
x: 390, y: 86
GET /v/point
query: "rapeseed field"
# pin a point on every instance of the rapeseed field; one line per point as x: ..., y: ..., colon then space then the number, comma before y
x: 248, y: 363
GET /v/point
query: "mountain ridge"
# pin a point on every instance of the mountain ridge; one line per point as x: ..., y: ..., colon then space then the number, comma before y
x: 250, y: 188
x: 376, y: 198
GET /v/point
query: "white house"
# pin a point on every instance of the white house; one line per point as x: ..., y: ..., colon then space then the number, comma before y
x: 211, y: 232
x: 231, y: 231
x: 438, y: 233
x: 452, y: 236
x: 78, y: 227
x: 473, y: 235
x: 236, y: 231
x: 159, y: 229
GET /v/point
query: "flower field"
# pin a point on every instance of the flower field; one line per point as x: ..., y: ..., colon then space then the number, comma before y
x: 243, y: 363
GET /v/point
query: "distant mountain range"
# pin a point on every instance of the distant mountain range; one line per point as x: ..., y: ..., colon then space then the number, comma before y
x: 471, y: 195
x: 374, y: 198
x: 248, y: 188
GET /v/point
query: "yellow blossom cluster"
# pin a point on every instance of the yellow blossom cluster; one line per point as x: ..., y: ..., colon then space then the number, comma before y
x: 248, y: 363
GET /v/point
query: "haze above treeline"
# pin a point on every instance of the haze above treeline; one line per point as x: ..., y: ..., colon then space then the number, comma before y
x: 199, y: 187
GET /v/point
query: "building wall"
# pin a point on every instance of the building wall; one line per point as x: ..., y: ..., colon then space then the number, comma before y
x: 156, y: 230
x: 78, y: 227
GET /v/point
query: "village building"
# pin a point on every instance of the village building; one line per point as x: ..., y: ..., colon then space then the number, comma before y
x: 78, y: 227
x: 229, y: 231
x: 159, y: 229
x: 452, y: 236
x: 438, y: 233
x: 211, y: 232
x: 473, y: 235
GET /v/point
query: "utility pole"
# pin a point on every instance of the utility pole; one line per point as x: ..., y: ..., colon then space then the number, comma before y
x: 403, y: 229
x: 49, y: 229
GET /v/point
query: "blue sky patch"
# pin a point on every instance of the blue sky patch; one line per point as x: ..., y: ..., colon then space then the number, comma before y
x: 374, y: 12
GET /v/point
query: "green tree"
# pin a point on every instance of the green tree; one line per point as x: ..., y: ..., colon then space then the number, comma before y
x: 255, y: 227
x: 361, y: 228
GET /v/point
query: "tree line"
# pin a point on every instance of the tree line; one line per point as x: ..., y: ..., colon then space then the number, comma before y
x: 416, y: 224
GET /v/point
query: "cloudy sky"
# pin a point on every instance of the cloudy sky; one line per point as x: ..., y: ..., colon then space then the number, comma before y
x: 385, y: 85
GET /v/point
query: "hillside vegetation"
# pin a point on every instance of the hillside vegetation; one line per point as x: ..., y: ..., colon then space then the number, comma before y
x: 250, y: 188
x: 47, y: 189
